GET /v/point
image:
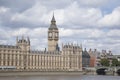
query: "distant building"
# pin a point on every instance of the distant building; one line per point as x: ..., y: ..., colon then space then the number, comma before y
x: 108, y: 55
x: 92, y: 58
x: 96, y: 56
x: 85, y: 58
x: 21, y: 57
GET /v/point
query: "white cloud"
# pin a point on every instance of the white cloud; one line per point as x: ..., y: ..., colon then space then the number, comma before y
x: 79, y: 21
x: 3, y: 10
x: 38, y: 43
x: 34, y: 15
x: 111, y: 20
x: 4, y: 34
x: 114, y: 33
x: 83, y: 33
x: 35, y: 32
x: 82, y: 16
x: 71, y: 15
x: 21, y: 31
x: 66, y: 32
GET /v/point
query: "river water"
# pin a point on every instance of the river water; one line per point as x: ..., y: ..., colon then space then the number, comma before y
x: 81, y: 77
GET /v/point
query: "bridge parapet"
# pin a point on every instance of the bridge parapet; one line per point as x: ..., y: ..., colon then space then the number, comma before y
x: 109, y: 68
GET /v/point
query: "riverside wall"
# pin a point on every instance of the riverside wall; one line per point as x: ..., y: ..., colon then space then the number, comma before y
x: 50, y: 73
x: 41, y: 73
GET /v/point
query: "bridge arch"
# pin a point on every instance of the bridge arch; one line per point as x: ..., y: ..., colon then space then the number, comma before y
x: 101, y: 71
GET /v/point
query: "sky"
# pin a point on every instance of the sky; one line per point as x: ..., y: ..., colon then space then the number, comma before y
x: 93, y: 23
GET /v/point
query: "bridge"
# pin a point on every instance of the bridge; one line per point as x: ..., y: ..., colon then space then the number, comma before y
x: 108, y: 70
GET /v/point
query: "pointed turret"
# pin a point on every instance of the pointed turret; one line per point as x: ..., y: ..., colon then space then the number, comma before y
x: 28, y: 39
x: 53, y: 19
x: 17, y: 39
x: 53, y: 24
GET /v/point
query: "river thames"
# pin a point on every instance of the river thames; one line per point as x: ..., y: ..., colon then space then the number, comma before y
x: 81, y: 77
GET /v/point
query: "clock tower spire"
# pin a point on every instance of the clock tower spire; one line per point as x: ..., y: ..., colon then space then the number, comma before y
x: 53, y: 36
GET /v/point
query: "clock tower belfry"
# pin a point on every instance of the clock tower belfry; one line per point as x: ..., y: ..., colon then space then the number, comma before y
x: 53, y: 36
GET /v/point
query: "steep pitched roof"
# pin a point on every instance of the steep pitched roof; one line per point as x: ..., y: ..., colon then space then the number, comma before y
x: 85, y: 54
x: 53, y: 24
x: 53, y: 18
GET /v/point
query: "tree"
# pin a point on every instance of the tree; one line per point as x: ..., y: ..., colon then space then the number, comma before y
x: 118, y: 63
x: 115, y: 62
x: 105, y: 62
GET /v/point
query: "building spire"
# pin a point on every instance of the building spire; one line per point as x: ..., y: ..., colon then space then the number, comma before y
x: 17, y: 39
x: 28, y: 39
x: 53, y: 23
x: 53, y: 18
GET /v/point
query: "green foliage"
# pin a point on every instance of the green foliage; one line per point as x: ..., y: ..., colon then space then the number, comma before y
x: 105, y: 62
x: 118, y: 63
x: 115, y: 62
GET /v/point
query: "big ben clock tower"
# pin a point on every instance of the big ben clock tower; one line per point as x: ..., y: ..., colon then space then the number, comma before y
x: 53, y: 36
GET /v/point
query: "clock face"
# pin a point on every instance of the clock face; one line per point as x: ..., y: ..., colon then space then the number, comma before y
x: 50, y: 34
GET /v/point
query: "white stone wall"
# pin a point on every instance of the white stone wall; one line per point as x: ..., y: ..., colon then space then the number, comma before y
x: 40, y: 61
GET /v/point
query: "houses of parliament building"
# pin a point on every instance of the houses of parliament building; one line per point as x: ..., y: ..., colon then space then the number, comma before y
x: 21, y: 57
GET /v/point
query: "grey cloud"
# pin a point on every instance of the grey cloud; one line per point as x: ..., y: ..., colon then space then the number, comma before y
x: 17, y: 5
x: 53, y: 4
x: 68, y: 16
x: 77, y: 21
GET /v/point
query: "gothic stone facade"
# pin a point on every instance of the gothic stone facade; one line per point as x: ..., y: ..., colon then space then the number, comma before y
x: 21, y: 57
